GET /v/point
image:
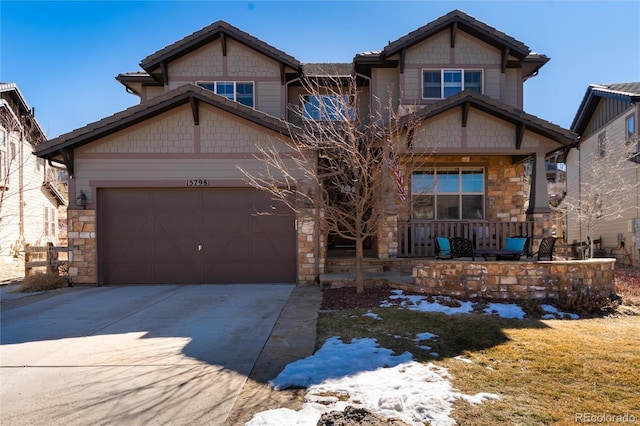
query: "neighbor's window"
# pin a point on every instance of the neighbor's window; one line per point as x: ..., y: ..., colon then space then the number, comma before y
x: 438, y: 84
x: 327, y: 108
x: 602, y: 144
x: 49, y: 221
x: 631, y: 129
x: 448, y: 193
x: 239, y: 91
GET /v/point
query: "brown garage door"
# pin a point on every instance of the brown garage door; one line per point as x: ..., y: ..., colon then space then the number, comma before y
x: 184, y: 236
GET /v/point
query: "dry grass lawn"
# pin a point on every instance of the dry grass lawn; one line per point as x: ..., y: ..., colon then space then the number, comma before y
x: 545, y: 371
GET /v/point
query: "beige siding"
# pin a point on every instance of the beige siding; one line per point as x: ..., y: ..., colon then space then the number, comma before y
x: 203, y: 62
x: 171, y: 132
x: 150, y: 92
x: 442, y: 132
x: 269, y: 98
x: 579, y: 167
x: 386, y: 90
x: 244, y: 62
x: 513, y: 87
x: 412, y: 84
x: 35, y: 199
x: 471, y: 51
x: 492, y: 80
x: 486, y: 131
x: 435, y: 50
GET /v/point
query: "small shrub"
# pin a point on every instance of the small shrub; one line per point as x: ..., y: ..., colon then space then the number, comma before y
x: 627, y: 282
x: 588, y: 305
x: 42, y: 282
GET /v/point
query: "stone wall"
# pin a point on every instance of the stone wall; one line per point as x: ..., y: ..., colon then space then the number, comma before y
x: 525, y: 280
x: 81, y: 225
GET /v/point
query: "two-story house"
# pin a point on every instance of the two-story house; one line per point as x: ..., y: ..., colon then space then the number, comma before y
x: 607, y: 123
x: 29, y: 199
x: 160, y: 197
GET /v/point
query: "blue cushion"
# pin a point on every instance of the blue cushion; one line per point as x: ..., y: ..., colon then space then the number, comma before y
x: 515, y: 244
x: 445, y: 248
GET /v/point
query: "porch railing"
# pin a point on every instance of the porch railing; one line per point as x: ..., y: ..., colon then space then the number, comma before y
x: 416, y: 237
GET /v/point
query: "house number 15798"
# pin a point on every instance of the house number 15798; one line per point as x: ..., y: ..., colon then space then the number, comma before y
x: 197, y: 182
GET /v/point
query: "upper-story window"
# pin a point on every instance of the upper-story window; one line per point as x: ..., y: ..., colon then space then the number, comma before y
x: 448, y: 193
x: 602, y: 144
x: 438, y: 84
x: 239, y: 91
x: 327, y: 108
x: 631, y: 129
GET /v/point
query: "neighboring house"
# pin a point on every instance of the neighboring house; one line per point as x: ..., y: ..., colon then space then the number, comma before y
x: 29, y: 201
x: 607, y: 123
x: 160, y: 198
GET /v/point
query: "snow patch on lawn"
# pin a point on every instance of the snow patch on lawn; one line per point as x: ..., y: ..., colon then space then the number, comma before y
x: 363, y: 374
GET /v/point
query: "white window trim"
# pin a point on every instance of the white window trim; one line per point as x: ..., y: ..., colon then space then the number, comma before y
x: 235, y: 88
x: 442, y: 70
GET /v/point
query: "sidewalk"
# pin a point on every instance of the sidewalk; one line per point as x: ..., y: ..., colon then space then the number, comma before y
x: 293, y: 337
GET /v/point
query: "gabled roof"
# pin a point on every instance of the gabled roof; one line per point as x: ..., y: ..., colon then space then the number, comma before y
x: 11, y: 92
x: 502, y: 110
x: 626, y: 92
x: 465, y: 23
x: 219, y: 29
x: 185, y: 94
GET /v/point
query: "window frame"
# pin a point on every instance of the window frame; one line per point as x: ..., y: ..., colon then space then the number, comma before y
x: 214, y: 88
x: 323, y: 115
x: 602, y: 144
x: 460, y: 193
x: 450, y: 71
x: 629, y: 136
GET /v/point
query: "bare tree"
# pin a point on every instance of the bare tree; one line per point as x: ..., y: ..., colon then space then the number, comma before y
x: 607, y: 187
x: 344, y: 161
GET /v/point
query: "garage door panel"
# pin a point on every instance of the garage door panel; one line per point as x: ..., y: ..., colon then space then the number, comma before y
x: 176, y: 249
x: 176, y: 226
x: 218, y: 224
x: 152, y: 236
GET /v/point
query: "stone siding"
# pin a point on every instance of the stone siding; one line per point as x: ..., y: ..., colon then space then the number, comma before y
x: 311, y: 253
x: 526, y: 280
x: 82, y: 242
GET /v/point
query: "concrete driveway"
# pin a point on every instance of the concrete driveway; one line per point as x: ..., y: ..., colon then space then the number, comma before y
x: 133, y: 355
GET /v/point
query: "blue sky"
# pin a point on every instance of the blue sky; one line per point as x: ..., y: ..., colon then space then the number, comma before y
x: 64, y: 55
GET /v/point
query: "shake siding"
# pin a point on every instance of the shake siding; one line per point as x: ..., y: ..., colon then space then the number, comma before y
x: 442, y: 132
x: 203, y: 62
x: 150, y: 93
x: 470, y: 51
x: 412, y: 80
x: 243, y: 62
x: 435, y: 51
x: 492, y: 79
x: 485, y: 131
x: 268, y: 98
x: 512, y: 84
x: 171, y: 132
x: 386, y: 87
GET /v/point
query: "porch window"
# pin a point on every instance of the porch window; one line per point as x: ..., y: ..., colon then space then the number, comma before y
x: 327, y: 108
x: 437, y: 84
x: 239, y: 91
x: 448, y: 193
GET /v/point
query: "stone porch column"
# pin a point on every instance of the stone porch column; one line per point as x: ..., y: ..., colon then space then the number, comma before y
x: 388, y: 237
x: 311, y: 247
x: 81, y: 225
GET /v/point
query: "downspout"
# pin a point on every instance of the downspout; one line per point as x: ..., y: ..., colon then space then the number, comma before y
x: 21, y: 184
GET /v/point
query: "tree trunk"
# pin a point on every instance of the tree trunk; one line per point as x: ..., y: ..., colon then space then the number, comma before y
x: 359, y: 273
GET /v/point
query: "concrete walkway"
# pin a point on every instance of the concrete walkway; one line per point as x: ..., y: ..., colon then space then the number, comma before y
x: 147, y: 354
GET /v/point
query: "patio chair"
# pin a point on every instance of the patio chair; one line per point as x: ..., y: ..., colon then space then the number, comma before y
x: 443, y: 248
x: 546, y: 248
x: 461, y: 247
x: 519, y: 243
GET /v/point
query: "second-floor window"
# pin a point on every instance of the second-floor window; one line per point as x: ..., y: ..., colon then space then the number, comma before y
x: 239, y: 91
x: 439, y: 84
x: 448, y: 193
x: 327, y: 108
x: 602, y: 144
x: 631, y: 129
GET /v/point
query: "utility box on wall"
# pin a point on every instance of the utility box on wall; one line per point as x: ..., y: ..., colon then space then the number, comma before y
x: 633, y: 226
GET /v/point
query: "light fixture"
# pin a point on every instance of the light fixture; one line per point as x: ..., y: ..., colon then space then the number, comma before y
x: 82, y: 199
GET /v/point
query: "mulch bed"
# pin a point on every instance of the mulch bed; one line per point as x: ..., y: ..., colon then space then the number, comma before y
x: 347, y: 298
